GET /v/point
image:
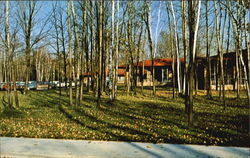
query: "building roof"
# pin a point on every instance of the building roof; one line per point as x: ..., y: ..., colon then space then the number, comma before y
x: 230, y: 55
x: 121, y: 72
x: 147, y: 63
x: 157, y: 62
x: 87, y: 74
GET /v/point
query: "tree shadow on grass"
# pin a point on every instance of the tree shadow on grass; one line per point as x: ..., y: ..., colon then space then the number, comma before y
x: 230, y: 102
x: 72, y: 118
x: 143, y: 121
x: 90, y: 99
x: 42, y: 99
x: 238, y: 124
x: 239, y: 121
x: 153, y: 110
x: 100, y: 129
x: 108, y: 127
x: 133, y: 115
x: 146, y: 112
x: 12, y: 113
x: 169, y: 111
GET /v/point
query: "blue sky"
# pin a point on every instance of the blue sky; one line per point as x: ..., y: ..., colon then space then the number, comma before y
x: 46, y: 9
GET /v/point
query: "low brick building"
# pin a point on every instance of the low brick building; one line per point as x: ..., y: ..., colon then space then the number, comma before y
x: 164, y: 72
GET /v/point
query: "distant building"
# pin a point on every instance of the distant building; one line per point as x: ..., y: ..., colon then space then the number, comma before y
x: 229, y: 70
x: 164, y: 73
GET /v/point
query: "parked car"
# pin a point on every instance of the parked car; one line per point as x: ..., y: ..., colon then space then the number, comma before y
x: 67, y: 83
x: 2, y: 85
x: 63, y: 84
x: 6, y: 86
x: 54, y: 84
x: 20, y: 85
x: 32, y: 85
x: 42, y: 86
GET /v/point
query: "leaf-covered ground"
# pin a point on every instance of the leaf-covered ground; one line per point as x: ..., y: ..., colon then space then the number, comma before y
x: 141, y: 118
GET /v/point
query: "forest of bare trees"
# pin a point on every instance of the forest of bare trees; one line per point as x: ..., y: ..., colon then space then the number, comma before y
x: 61, y: 41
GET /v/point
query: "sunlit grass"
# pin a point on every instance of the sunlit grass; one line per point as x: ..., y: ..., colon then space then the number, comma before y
x: 143, y: 118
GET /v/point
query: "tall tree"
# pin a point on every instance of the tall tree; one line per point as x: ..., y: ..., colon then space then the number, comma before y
x: 100, y: 51
x: 152, y: 54
x: 70, y: 53
x: 27, y: 13
x: 131, y: 71
x: 76, y: 54
x: 176, y: 48
x: 184, y: 32
x: 27, y: 26
x: 111, y: 54
x: 93, y: 46
x: 234, y: 23
x: 10, y: 64
x: 246, y: 30
x: 61, y: 26
x: 8, y: 55
x: 237, y: 28
x: 193, y: 30
x: 220, y: 52
x: 84, y: 45
x: 116, y: 49
x: 208, y: 65
x: 171, y: 50
x: 57, y: 50
x: 85, y: 40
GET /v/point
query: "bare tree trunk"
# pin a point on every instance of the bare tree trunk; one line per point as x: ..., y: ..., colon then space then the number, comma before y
x: 76, y: 54
x: 243, y: 65
x: 143, y: 66
x: 14, y: 75
x: 100, y: 45
x: 172, y: 54
x: 63, y: 49
x: 92, y: 47
x: 117, y: 51
x: 14, y: 81
x: 86, y: 42
x: 248, y: 49
x: 176, y: 49
x: 138, y: 54
x: 193, y: 29
x: 184, y: 23
x: 156, y: 42
x: 236, y: 40
x: 26, y: 19
x: 173, y: 69
x: 128, y: 73
x: 142, y: 74
x: 84, y: 48
x: 58, y: 53
x: 220, y: 54
x: 130, y: 46
x: 111, y: 53
x: 70, y: 55
x: 104, y: 56
x: 148, y: 25
x: 208, y: 85
x: 8, y: 54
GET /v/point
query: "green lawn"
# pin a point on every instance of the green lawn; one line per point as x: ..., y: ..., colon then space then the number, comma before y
x: 140, y: 118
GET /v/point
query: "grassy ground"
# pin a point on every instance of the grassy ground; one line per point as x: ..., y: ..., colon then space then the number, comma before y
x: 141, y: 118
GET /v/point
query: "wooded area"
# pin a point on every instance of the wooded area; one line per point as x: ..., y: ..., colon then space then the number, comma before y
x: 74, y: 41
